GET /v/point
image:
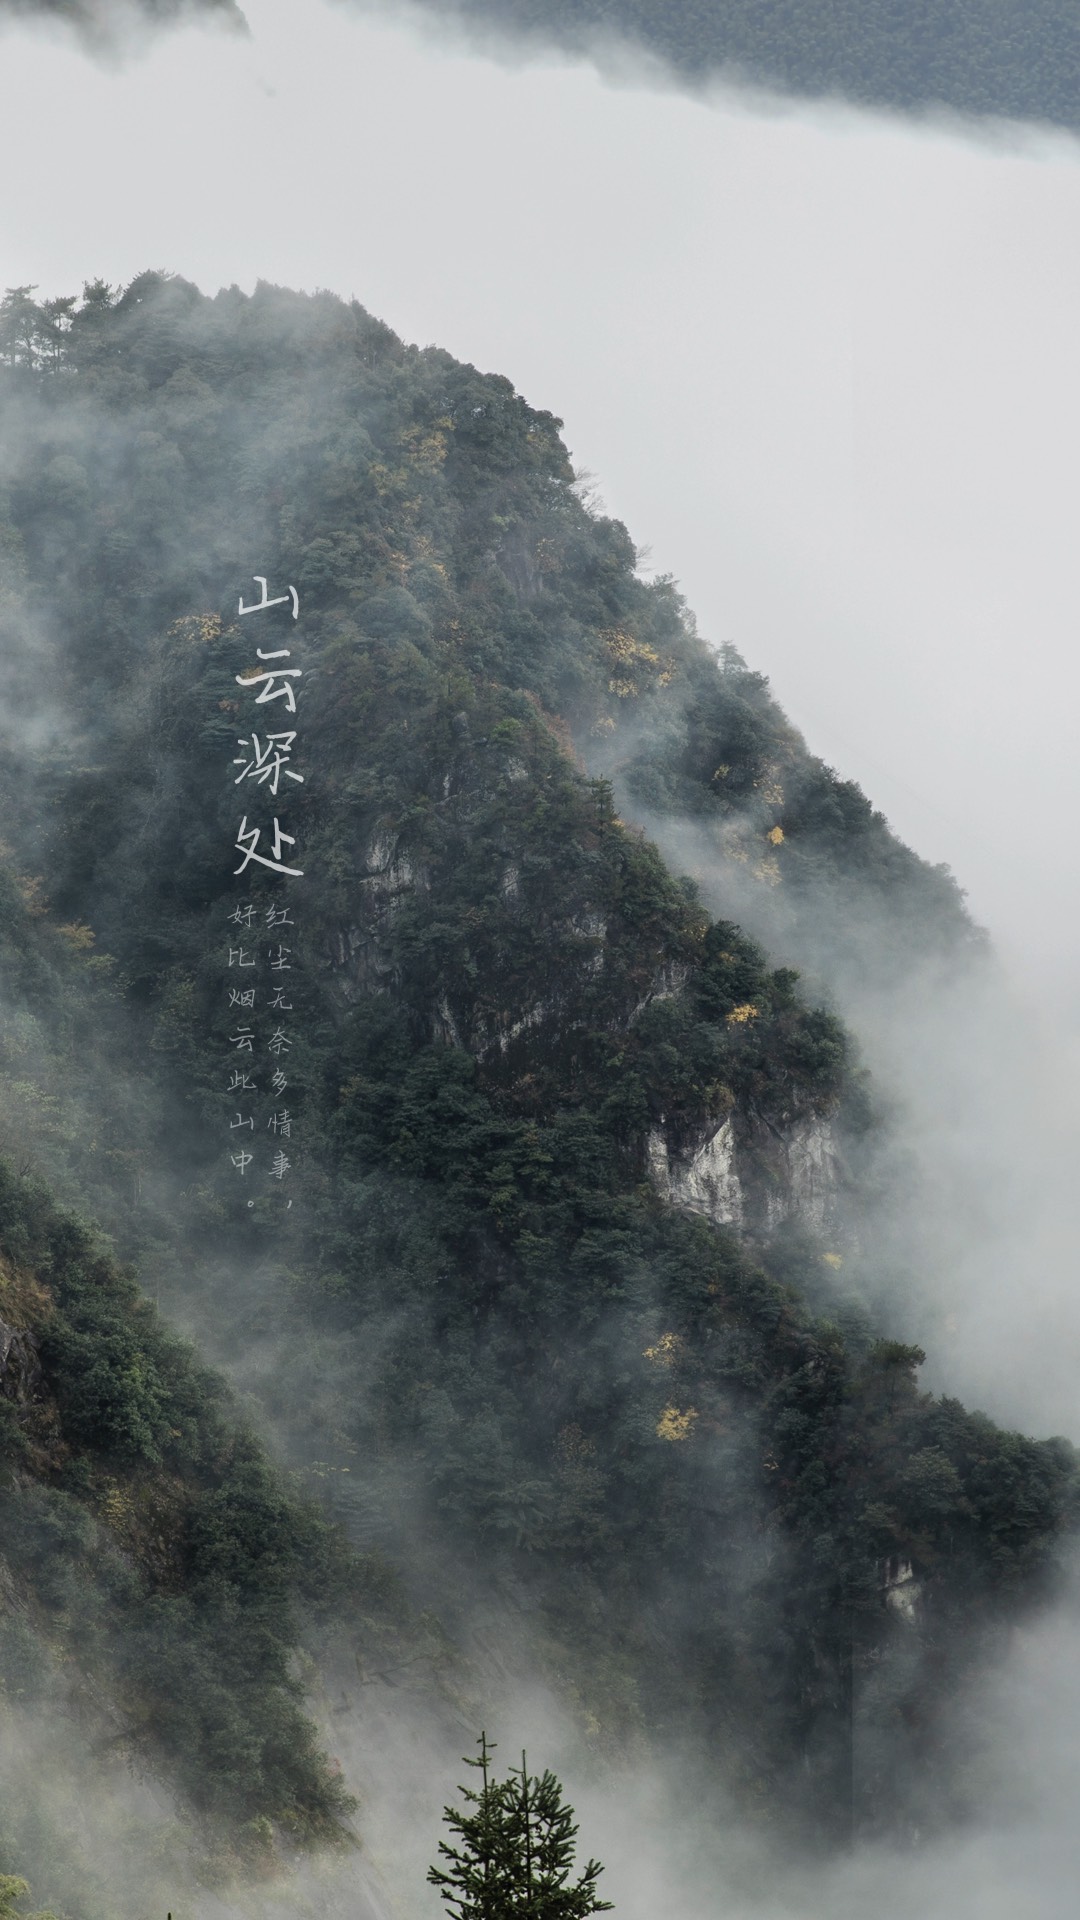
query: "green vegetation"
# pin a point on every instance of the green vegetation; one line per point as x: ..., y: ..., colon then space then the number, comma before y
x: 486, y: 1336
x: 11, y: 1891
x: 517, y: 1851
x: 148, y: 1535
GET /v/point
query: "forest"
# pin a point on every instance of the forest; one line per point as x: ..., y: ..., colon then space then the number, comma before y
x: 507, y: 1352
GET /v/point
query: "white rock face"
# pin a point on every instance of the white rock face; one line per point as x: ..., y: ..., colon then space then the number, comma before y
x: 656, y: 1153
x: 809, y: 1174
x: 795, y: 1176
x: 445, y: 1024
x: 391, y: 875
x: 707, y: 1183
x: 902, y: 1590
x: 380, y: 850
x: 534, y: 1018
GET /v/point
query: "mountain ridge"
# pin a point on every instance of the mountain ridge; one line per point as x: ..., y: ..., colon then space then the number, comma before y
x: 483, y: 1332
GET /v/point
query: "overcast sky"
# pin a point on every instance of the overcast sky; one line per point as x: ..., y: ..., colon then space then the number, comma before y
x: 824, y: 364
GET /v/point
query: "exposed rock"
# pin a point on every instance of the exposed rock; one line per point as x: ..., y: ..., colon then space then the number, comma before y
x: 706, y: 1183
x: 900, y: 1589
x: 444, y: 1025
x: 359, y: 952
x: 503, y: 1037
x: 20, y: 1368
x: 380, y: 850
x: 592, y: 927
x: 746, y: 1174
x: 669, y: 980
x: 389, y: 871
x: 807, y: 1165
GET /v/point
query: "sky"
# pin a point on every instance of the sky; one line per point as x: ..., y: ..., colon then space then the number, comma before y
x: 822, y: 362
x: 824, y: 365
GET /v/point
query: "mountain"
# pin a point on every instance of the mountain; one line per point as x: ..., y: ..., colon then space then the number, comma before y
x: 102, y: 26
x: 982, y: 57
x: 994, y: 59
x: 560, y: 1312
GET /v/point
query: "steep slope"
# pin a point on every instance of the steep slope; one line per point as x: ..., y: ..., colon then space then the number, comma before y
x: 159, y: 1578
x: 547, y: 1115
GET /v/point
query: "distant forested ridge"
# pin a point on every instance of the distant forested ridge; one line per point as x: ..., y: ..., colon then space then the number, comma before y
x: 992, y: 58
x: 989, y: 57
x: 554, y: 1321
x: 101, y: 23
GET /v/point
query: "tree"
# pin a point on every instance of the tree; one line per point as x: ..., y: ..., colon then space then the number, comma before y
x: 12, y: 1889
x: 21, y: 343
x: 517, y: 1851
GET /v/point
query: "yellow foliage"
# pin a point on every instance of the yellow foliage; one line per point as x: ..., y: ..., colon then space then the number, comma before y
x: 673, y: 1425
x: 427, y: 449
x: 604, y: 725
x: 117, y: 1507
x: 78, y: 935
x: 198, y: 629
x: 833, y: 1259
x: 32, y: 889
x: 424, y: 550
x: 767, y: 871
x: 722, y: 771
x: 776, y: 836
x: 624, y: 648
x: 666, y: 1351
x: 627, y: 653
x: 768, y: 786
x: 739, y: 1016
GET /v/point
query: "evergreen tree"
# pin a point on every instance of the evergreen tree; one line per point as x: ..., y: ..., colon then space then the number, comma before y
x: 517, y: 1851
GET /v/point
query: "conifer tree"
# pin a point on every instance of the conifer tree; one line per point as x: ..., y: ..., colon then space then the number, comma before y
x: 516, y: 1853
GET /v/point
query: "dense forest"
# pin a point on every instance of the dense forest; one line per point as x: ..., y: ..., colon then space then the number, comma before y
x: 555, y: 1307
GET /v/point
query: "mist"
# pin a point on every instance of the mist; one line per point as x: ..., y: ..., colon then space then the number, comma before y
x: 855, y: 462
x: 822, y: 366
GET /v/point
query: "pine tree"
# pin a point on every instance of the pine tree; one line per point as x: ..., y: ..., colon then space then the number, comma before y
x: 516, y: 1853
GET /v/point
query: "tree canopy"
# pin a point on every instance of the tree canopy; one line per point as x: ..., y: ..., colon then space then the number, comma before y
x: 516, y: 1851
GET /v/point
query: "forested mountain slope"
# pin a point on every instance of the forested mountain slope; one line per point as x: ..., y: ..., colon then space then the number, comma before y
x: 992, y: 57
x: 569, y: 1160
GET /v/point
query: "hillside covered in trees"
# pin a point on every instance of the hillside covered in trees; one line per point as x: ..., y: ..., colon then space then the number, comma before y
x: 544, y: 1312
